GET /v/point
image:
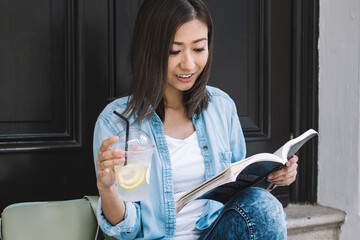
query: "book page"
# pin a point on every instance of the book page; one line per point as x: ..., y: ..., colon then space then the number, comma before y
x: 291, y: 147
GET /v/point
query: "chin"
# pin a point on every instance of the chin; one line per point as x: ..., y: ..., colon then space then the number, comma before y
x: 185, y: 88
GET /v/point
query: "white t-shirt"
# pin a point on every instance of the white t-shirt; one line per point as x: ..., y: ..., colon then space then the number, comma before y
x: 188, y: 172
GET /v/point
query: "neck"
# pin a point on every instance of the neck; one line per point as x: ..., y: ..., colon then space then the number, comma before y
x: 173, y: 99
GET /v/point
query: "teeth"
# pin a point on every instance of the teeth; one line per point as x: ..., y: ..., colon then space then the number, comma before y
x: 184, y: 75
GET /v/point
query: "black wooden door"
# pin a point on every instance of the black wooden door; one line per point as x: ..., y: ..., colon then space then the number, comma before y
x: 60, y: 62
x: 47, y: 105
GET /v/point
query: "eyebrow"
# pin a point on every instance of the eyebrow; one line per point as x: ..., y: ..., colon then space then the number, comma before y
x: 195, y: 41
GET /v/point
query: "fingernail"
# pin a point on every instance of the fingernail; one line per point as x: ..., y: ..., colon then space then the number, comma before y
x: 270, y: 176
x: 287, y: 163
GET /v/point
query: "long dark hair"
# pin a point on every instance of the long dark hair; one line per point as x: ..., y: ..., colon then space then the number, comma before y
x: 154, y: 31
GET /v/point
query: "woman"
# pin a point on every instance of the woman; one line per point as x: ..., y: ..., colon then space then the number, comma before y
x: 196, y: 131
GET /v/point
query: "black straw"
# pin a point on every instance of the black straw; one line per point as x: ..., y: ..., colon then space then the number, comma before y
x: 127, y: 133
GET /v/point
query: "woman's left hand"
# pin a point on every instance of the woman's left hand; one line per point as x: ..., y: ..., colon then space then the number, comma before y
x: 287, y: 174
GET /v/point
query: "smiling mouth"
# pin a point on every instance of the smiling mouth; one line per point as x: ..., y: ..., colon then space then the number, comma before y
x: 184, y: 75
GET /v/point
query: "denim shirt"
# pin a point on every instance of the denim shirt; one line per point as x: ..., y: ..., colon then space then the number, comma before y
x: 221, y: 141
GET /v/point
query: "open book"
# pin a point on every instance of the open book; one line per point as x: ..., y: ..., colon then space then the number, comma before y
x: 252, y: 171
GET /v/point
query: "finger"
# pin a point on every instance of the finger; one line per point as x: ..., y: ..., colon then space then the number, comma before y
x: 285, y: 177
x: 291, y: 168
x: 110, y: 163
x: 282, y: 171
x: 107, y: 155
x: 294, y: 159
x: 285, y: 182
x: 97, y: 161
x: 102, y: 173
x: 107, y: 143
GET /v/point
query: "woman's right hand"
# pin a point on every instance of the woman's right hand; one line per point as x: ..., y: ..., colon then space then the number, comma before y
x: 106, y: 161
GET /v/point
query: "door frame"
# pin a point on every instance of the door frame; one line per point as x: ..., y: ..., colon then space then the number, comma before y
x: 305, y: 96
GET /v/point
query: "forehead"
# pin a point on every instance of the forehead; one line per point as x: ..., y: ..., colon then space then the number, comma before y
x: 190, y: 31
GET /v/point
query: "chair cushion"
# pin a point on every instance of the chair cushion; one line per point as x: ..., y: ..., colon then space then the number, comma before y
x: 71, y: 220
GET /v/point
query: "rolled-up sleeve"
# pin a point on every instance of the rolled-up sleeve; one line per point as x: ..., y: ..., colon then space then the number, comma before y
x: 126, y: 229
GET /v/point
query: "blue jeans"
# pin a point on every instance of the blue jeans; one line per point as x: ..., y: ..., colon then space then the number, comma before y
x: 253, y: 213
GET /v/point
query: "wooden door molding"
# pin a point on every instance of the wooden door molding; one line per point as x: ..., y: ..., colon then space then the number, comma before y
x: 305, y: 96
x: 42, y: 106
x: 257, y: 123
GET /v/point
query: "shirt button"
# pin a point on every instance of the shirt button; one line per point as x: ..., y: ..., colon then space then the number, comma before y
x: 196, y: 117
x: 205, y: 147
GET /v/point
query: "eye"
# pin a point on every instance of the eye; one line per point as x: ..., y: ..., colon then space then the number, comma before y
x: 174, y: 52
x: 199, y: 49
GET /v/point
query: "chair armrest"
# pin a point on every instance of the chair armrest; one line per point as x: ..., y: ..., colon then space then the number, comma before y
x: 0, y: 230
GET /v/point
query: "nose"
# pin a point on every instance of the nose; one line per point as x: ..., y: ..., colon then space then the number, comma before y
x: 187, y: 61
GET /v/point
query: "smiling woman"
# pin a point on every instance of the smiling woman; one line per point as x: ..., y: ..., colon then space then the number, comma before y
x: 196, y: 132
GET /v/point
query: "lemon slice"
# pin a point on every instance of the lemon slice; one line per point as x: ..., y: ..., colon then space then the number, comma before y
x: 131, y: 176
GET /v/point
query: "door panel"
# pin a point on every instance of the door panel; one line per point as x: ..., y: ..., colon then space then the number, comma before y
x: 252, y: 63
x: 259, y: 82
x: 38, y: 86
x: 45, y: 151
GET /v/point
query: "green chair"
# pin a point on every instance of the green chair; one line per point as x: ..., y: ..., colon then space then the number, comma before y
x: 56, y: 220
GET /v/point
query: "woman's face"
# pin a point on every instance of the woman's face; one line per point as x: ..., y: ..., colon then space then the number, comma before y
x: 188, y: 55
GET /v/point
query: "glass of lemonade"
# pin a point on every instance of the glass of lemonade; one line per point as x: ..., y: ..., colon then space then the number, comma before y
x: 133, y: 177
